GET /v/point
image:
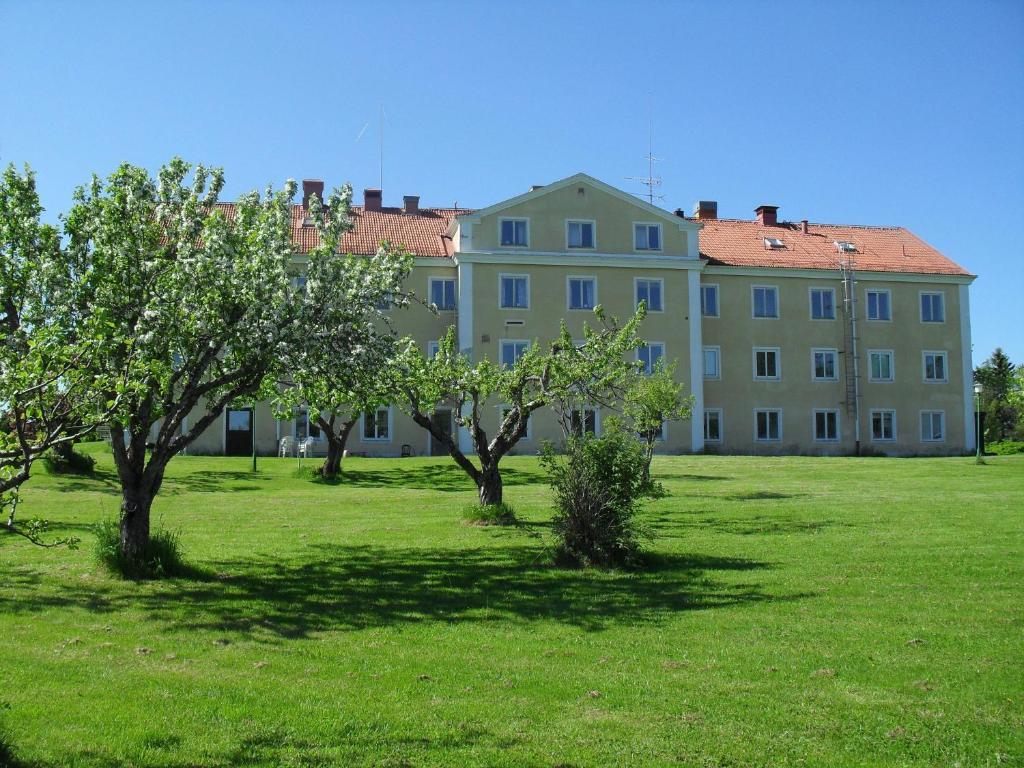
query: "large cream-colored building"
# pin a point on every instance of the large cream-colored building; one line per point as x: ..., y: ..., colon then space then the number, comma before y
x: 792, y: 337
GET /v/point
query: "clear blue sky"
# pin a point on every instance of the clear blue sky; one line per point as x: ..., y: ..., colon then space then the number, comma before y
x: 870, y: 113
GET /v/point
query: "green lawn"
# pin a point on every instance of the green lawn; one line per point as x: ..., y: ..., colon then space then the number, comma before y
x: 795, y: 611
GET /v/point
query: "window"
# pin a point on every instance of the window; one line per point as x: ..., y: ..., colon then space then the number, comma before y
x: 935, y: 367
x: 647, y: 237
x: 384, y: 302
x: 579, y: 234
x: 766, y: 363
x: 823, y: 304
x: 883, y: 426
x: 511, y: 351
x: 767, y: 425
x: 879, y: 305
x: 932, y: 309
x: 506, y: 410
x: 774, y: 242
x: 713, y: 425
x: 826, y: 426
x: 712, y: 368
x: 299, y: 284
x: 880, y: 365
x: 933, y: 426
x: 515, y: 291
x: 845, y: 246
x: 515, y: 232
x: 377, y: 425
x: 649, y: 354
x: 583, y: 421
x: 709, y: 300
x: 649, y: 292
x: 305, y: 426
x: 582, y: 292
x: 766, y: 301
x: 442, y: 292
x: 824, y: 364
x: 433, y: 347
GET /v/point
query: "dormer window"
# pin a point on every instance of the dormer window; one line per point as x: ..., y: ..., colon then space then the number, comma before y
x: 773, y: 243
x: 845, y: 246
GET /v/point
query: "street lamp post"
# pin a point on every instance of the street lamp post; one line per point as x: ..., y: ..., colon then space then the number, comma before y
x: 977, y: 423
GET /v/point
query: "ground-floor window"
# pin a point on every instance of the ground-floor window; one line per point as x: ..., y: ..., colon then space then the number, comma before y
x: 584, y: 420
x: 883, y: 426
x: 305, y: 426
x: 826, y: 426
x: 933, y: 426
x: 767, y: 425
x: 713, y: 425
x: 377, y: 424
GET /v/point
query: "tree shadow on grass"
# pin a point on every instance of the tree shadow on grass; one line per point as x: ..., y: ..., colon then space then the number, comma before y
x: 435, y: 477
x: 751, y: 525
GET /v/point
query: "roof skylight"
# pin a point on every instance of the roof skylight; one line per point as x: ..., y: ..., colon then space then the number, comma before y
x: 846, y: 246
x: 773, y: 242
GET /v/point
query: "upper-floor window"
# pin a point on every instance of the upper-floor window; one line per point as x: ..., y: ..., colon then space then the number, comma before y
x: 880, y: 365
x: 579, y: 234
x: 582, y: 292
x: 824, y: 361
x: 649, y: 354
x: 511, y: 351
x: 433, y: 347
x: 712, y: 363
x: 823, y: 304
x: 649, y: 292
x: 766, y: 301
x: 515, y: 232
x: 442, y: 292
x: 766, y: 363
x: 709, y: 300
x: 515, y: 291
x: 932, y: 308
x: 935, y: 366
x: 879, y: 305
x: 647, y: 237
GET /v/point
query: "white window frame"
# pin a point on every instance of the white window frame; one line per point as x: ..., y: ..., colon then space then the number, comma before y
x: 501, y: 350
x: 391, y: 426
x: 920, y: 306
x: 867, y: 305
x: 529, y: 420
x: 501, y: 292
x: 718, y: 360
x: 924, y: 366
x: 835, y: 364
x: 568, y: 292
x: 650, y: 344
x: 778, y: 363
x: 920, y: 430
x: 661, y: 291
x: 433, y: 347
x: 810, y: 303
x: 304, y: 411
x: 767, y: 439
x: 661, y: 237
x: 503, y: 219
x: 597, y: 417
x: 871, y: 425
x: 718, y: 300
x: 455, y: 292
x: 721, y: 425
x: 753, y: 302
x: 593, y: 235
x: 892, y: 366
x: 814, y: 426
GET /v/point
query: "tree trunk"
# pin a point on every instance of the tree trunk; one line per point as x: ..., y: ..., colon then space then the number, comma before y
x: 136, y: 502
x: 489, y: 485
x: 335, y: 448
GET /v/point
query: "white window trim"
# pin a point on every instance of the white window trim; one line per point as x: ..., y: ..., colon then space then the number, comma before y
x: 814, y: 426
x: 529, y: 421
x: 924, y: 366
x: 871, y: 419
x: 568, y: 292
x: 391, y: 427
x: 501, y: 348
x: 502, y: 219
x: 778, y: 363
x: 835, y: 364
x: 892, y: 366
x: 753, y: 304
x: 767, y: 439
x: 718, y: 299
x: 597, y: 417
x: 433, y: 347
x: 593, y: 231
x: 810, y: 304
x: 661, y: 237
x: 718, y: 351
x: 454, y: 282
x: 650, y: 344
x: 920, y: 307
x: 529, y: 291
x: 920, y: 435
x: 636, y: 287
x: 886, y: 291
x: 721, y: 425
x: 295, y: 426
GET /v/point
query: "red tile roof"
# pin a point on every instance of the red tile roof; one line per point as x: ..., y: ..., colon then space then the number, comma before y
x: 740, y: 243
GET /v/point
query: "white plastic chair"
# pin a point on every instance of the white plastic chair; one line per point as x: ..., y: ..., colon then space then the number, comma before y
x: 305, y: 448
x: 287, y: 447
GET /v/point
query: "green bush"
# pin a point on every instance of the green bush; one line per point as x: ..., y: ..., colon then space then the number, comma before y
x: 161, y: 559
x: 489, y: 514
x: 598, y: 483
x: 69, y: 462
x: 1005, y: 447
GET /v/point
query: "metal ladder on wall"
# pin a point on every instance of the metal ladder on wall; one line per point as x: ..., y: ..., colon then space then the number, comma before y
x: 851, y: 364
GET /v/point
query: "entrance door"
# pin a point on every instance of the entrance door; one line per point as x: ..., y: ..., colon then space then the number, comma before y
x: 239, y: 432
x: 442, y: 420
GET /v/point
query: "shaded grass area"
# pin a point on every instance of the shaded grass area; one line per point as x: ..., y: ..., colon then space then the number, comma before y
x: 791, y: 610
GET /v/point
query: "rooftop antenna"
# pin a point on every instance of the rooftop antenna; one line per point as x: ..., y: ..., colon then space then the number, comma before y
x: 381, y: 146
x: 650, y: 180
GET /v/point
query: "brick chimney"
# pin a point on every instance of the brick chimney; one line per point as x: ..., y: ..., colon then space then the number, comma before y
x: 372, y: 199
x: 312, y: 187
x: 767, y: 214
x: 412, y: 204
x: 705, y: 209
x: 803, y: 226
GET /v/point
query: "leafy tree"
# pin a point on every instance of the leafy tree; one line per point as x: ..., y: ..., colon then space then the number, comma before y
x: 564, y: 374
x: 996, y: 376
x: 650, y: 403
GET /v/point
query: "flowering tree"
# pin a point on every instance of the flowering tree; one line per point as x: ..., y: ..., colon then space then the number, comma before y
x: 650, y: 402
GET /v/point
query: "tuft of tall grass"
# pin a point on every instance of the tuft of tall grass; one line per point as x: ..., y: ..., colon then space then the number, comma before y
x: 162, y: 558
x: 489, y: 514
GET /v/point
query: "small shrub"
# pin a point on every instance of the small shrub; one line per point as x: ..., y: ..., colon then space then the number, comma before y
x: 1005, y: 447
x: 489, y: 514
x: 161, y: 559
x: 69, y: 462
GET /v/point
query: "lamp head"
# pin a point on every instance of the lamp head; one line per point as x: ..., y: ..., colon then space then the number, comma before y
x: 977, y: 388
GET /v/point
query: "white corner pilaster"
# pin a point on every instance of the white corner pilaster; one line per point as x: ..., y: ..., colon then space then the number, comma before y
x: 696, y: 362
x: 465, y: 330
x: 970, y: 438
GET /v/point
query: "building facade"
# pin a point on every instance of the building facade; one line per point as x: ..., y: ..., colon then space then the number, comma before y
x: 791, y: 337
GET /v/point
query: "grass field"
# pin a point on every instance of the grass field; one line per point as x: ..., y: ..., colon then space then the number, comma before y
x: 794, y: 611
